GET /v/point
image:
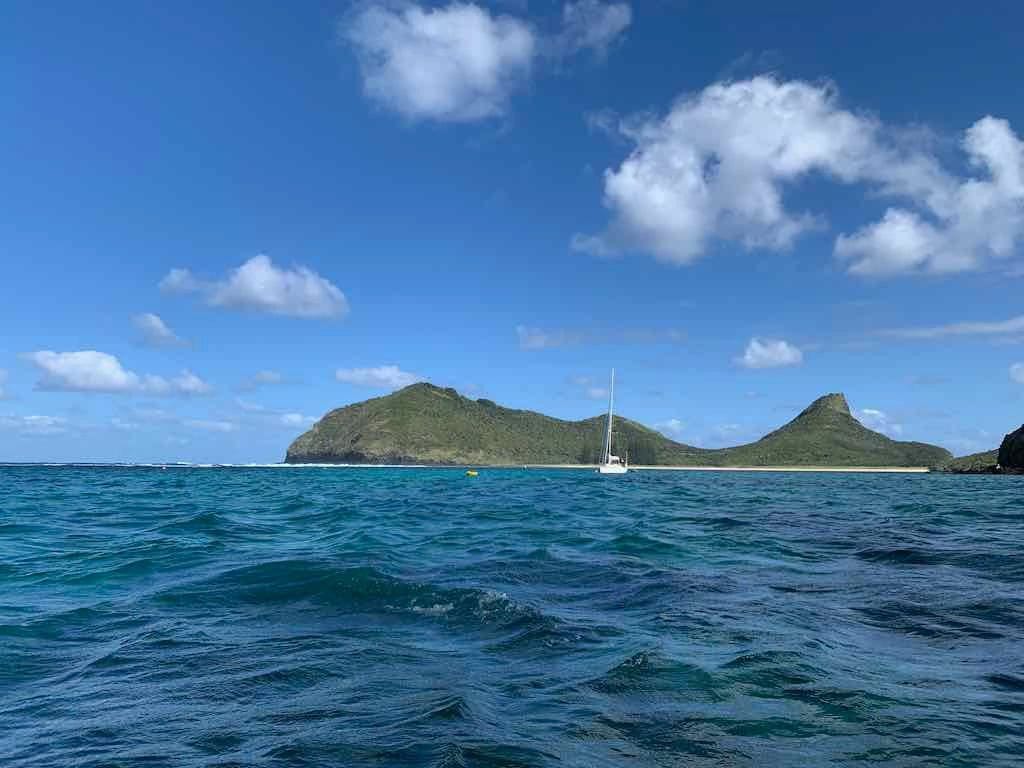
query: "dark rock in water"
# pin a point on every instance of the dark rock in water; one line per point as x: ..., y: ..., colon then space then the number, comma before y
x: 1011, y: 451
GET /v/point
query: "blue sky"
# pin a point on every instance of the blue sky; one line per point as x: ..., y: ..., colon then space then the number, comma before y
x: 220, y: 222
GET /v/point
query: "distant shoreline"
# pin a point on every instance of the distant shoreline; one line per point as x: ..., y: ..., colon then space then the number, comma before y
x: 590, y: 467
x: 906, y: 470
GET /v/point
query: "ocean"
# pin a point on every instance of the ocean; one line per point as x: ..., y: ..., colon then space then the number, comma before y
x: 419, y: 617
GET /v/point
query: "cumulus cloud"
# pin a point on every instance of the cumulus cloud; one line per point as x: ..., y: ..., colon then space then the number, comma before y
x: 461, y: 62
x: 879, y: 421
x: 592, y: 24
x: 966, y: 223
x: 381, y: 377
x: 92, y: 371
x: 180, y: 281
x: 260, y: 286
x: 997, y: 328
x: 295, y: 420
x: 155, y: 331
x: 456, y: 63
x: 716, y: 167
x: 187, y: 383
x: 770, y: 353
x: 35, y: 426
x: 1017, y: 372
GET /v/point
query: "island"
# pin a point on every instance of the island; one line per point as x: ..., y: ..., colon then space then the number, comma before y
x: 1008, y: 459
x: 424, y: 424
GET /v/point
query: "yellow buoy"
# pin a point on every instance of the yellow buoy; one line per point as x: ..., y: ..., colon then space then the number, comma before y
x: 471, y: 473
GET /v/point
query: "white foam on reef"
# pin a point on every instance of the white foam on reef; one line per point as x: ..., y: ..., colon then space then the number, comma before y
x: 200, y: 465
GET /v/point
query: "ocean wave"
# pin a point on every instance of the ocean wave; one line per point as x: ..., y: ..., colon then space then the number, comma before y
x: 411, y: 618
x: 331, y: 590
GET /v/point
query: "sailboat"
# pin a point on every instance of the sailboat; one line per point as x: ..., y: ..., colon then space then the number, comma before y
x: 610, y: 463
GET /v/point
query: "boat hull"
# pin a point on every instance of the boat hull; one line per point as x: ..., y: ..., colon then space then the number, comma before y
x: 611, y: 469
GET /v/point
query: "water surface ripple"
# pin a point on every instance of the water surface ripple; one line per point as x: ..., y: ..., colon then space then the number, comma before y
x: 379, y: 617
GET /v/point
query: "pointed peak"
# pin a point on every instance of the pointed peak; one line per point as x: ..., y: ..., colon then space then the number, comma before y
x: 834, y: 402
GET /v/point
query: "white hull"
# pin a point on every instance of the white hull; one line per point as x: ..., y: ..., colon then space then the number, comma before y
x: 611, y: 469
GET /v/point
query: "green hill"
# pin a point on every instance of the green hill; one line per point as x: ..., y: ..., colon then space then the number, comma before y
x: 1007, y: 459
x: 976, y: 463
x: 826, y: 434
x: 424, y: 424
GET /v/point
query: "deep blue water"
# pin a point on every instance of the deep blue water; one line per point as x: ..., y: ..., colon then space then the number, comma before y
x: 375, y: 617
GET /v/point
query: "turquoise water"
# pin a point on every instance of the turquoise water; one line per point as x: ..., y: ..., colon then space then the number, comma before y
x: 375, y: 617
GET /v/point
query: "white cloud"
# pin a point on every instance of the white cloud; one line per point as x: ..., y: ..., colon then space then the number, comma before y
x: 770, y: 353
x: 92, y: 371
x: 211, y: 425
x: 973, y: 221
x: 270, y: 416
x: 592, y: 24
x: 259, y: 286
x: 672, y: 428
x: 187, y: 383
x: 85, y: 371
x: 457, y: 63
x: 1017, y: 372
x: 155, y: 331
x: 716, y: 167
x: 538, y: 338
x: 879, y: 421
x: 381, y: 377
x: 589, y: 388
x: 179, y: 281
x: 295, y: 420
x: 461, y: 62
x: 997, y: 328
x: 261, y: 379
x: 35, y: 426
x: 123, y: 425
x: 3, y: 381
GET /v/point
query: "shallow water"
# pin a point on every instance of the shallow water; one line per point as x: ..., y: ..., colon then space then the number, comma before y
x: 378, y: 617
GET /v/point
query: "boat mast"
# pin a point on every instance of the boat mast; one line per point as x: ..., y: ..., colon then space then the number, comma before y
x: 608, y: 435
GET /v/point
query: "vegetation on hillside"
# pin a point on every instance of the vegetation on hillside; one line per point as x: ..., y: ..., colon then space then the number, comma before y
x: 976, y: 463
x: 1007, y: 459
x: 425, y: 424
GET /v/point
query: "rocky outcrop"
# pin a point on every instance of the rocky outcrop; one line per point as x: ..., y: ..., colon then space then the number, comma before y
x: 1011, y: 451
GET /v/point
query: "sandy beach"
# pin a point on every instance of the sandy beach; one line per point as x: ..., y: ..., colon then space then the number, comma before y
x: 905, y: 470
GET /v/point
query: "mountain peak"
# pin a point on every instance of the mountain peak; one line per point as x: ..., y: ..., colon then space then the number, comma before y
x: 428, y: 424
x: 834, y: 402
